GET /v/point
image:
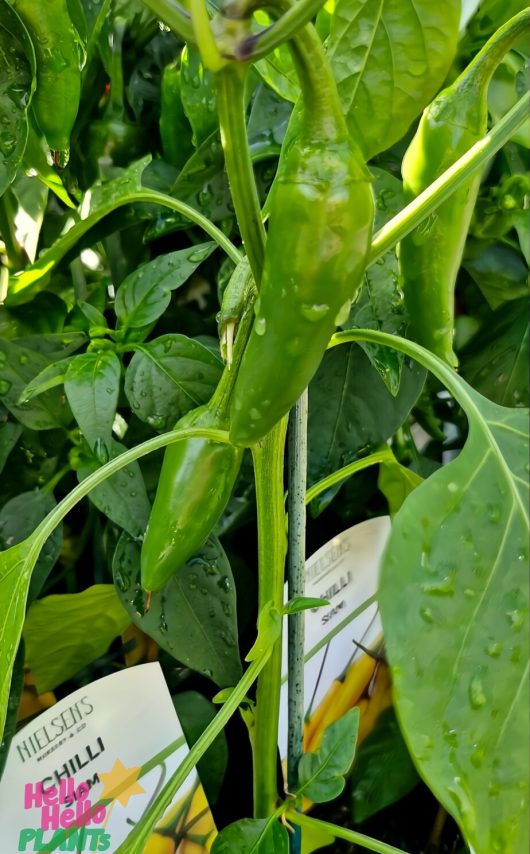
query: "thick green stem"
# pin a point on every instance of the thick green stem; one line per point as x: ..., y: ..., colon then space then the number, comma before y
x: 444, y: 186
x: 297, y: 469
x: 268, y: 472
x: 231, y: 108
x: 297, y: 16
x: 342, y: 833
x: 175, y: 16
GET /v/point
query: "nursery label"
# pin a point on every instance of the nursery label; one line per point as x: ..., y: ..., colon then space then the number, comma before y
x: 344, y: 572
x: 82, y: 774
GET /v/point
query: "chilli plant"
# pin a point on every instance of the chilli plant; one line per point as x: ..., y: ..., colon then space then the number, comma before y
x: 259, y: 258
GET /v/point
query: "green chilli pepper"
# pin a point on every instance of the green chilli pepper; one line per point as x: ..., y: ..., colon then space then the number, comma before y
x: 59, y: 53
x: 113, y: 140
x: 175, y: 129
x: 430, y: 256
x: 321, y: 216
x: 196, y: 479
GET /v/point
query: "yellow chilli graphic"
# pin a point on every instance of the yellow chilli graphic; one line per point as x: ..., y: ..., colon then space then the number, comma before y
x: 186, y: 828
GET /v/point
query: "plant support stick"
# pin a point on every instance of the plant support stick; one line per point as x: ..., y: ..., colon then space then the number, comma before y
x: 297, y: 455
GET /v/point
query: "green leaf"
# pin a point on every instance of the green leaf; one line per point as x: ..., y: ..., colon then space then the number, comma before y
x: 100, y: 202
x: 53, y: 345
x: 19, y: 365
x: 383, y: 772
x: 381, y: 304
x: 18, y: 519
x: 199, y: 95
x: 17, y: 83
x: 496, y: 360
x: 92, y: 385
x: 252, y: 836
x: 321, y: 774
x: 269, y: 629
x: 396, y: 482
x: 351, y: 410
x: 50, y: 377
x: 121, y: 497
x: 145, y: 294
x: 498, y: 270
x: 16, y: 565
x: 169, y: 376
x: 277, y: 69
x: 193, y: 617
x: 389, y: 58
x: 302, y: 603
x: 15, y: 693
x: 63, y: 633
x: 454, y: 605
x: 9, y: 434
x: 195, y: 712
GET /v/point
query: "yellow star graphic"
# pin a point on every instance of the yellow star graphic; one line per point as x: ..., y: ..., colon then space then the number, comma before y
x: 121, y: 783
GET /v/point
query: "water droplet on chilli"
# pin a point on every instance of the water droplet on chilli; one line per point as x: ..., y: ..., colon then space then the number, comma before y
x: 477, y: 697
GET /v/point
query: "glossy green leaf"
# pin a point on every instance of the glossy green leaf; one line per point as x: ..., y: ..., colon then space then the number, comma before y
x: 122, y: 497
x: 17, y: 82
x: 454, y: 604
x: 92, y: 385
x: 15, y: 693
x: 496, y: 362
x: 277, y: 70
x: 18, y: 519
x: 53, y: 345
x: 389, y: 58
x: 396, y: 482
x: 302, y: 603
x: 9, y: 434
x: 253, y: 836
x: 195, y: 712
x: 199, y: 95
x: 16, y: 564
x: 193, y: 617
x: 321, y: 774
x: 65, y: 632
x: 350, y: 408
x: 380, y: 304
x: 98, y: 203
x: 383, y: 771
x: 498, y: 269
x: 51, y: 376
x: 19, y: 365
x: 169, y: 376
x: 145, y: 294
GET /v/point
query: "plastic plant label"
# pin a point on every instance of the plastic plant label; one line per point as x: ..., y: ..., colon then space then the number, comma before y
x: 344, y: 572
x: 80, y: 775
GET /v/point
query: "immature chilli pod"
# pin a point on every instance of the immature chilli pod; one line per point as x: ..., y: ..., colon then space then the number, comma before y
x: 319, y: 235
x: 59, y: 55
x: 196, y: 480
x: 431, y: 255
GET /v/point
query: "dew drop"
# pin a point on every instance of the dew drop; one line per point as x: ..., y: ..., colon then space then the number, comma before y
x: 477, y: 697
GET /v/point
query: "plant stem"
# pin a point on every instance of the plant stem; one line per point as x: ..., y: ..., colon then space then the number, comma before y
x: 175, y: 16
x: 50, y: 522
x: 268, y: 472
x: 231, y: 108
x: 341, y: 833
x: 297, y: 478
x: 440, y: 190
x: 382, y: 456
x: 260, y: 44
x: 23, y: 286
